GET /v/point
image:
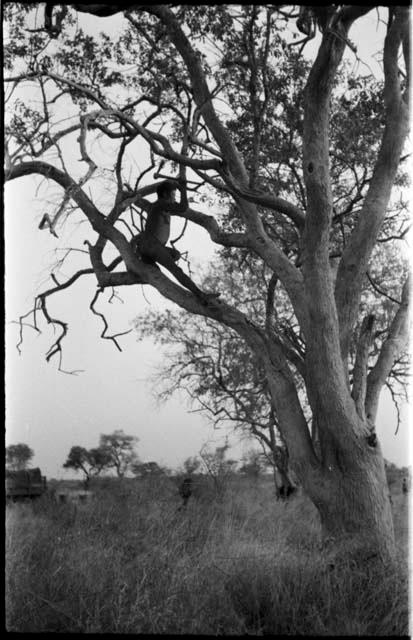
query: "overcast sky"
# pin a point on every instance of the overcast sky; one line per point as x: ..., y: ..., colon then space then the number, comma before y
x: 52, y: 411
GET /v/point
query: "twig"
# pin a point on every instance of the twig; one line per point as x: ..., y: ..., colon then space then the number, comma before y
x: 40, y: 303
x: 396, y: 405
x: 380, y: 291
x: 106, y: 326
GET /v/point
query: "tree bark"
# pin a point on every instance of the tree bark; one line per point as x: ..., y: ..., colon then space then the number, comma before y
x: 357, y: 515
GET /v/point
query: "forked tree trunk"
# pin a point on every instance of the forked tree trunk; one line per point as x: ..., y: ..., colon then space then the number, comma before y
x: 344, y: 478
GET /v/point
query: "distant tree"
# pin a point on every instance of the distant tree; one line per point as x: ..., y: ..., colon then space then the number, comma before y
x: 18, y: 456
x: 252, y: 463
x: 191, y: 465
x: 120, y: 449
x: 217, y: 466
x: 146, y: 469
x: 91, y: 461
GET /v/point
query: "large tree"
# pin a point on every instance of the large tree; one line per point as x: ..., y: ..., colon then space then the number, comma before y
x: 172, y: 81
x: 18, y: 456
x: 90, y: 461
x: 120, y: 451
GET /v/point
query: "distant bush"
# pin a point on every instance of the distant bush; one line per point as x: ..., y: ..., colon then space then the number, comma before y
x: 132, y: 563
x: 395, y: 476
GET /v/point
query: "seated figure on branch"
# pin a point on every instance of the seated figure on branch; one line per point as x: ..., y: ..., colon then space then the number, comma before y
x: 151, y: 244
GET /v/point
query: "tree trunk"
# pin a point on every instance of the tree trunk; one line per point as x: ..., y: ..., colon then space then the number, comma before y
x: 354, y: 505
x: 345, y: 478
x: 282, y: 483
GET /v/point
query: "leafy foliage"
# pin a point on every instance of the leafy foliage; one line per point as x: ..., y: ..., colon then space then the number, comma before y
x: 120, y: 450
x: 91, y: 461
x: 18, y: 456
x: 252, y: 463
x: 146, y: 469
x: 191, y: 465
x: 218, y: 466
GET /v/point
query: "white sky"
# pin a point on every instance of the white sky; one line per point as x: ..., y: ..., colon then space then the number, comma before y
x: 51, y: 411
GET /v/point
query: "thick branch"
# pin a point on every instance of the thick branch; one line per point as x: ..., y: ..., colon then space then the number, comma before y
x: 96, y: 219
x: 354, y: 263
x: 202, y: 95
x: 104, y: 10
x: 105, y: 324
x: 391, y: 350
x: 323, y: 356
x: 217, y: 235
x: 266, y: 200
x: 292, y: 423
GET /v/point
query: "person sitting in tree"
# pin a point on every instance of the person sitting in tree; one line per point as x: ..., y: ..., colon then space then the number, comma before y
x: 151, y: 244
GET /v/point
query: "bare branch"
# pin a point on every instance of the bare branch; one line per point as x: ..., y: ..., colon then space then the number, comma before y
x: 266, y: 200
x: 391, y: 349
x: 396, y: 406
x: 380, y: 291
x: 105, y: 324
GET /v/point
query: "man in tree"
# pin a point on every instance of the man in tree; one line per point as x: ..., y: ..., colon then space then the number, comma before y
x: 151, y: 244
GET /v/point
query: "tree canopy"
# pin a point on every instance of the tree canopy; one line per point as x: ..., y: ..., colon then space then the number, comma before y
x: 116, y: 450
x: 18, y: 456
x: 90, y: 461
x: 120, y: 451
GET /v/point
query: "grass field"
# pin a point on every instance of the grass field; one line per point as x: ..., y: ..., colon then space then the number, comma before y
x: 130, y: 562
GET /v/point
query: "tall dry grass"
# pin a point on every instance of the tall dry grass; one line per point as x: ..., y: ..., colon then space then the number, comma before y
x: 130, y: 562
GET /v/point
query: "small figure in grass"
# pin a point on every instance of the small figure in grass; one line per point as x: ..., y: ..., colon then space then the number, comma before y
x: 405, y: 488
x: 185, y: 491
x: 285, y: 491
